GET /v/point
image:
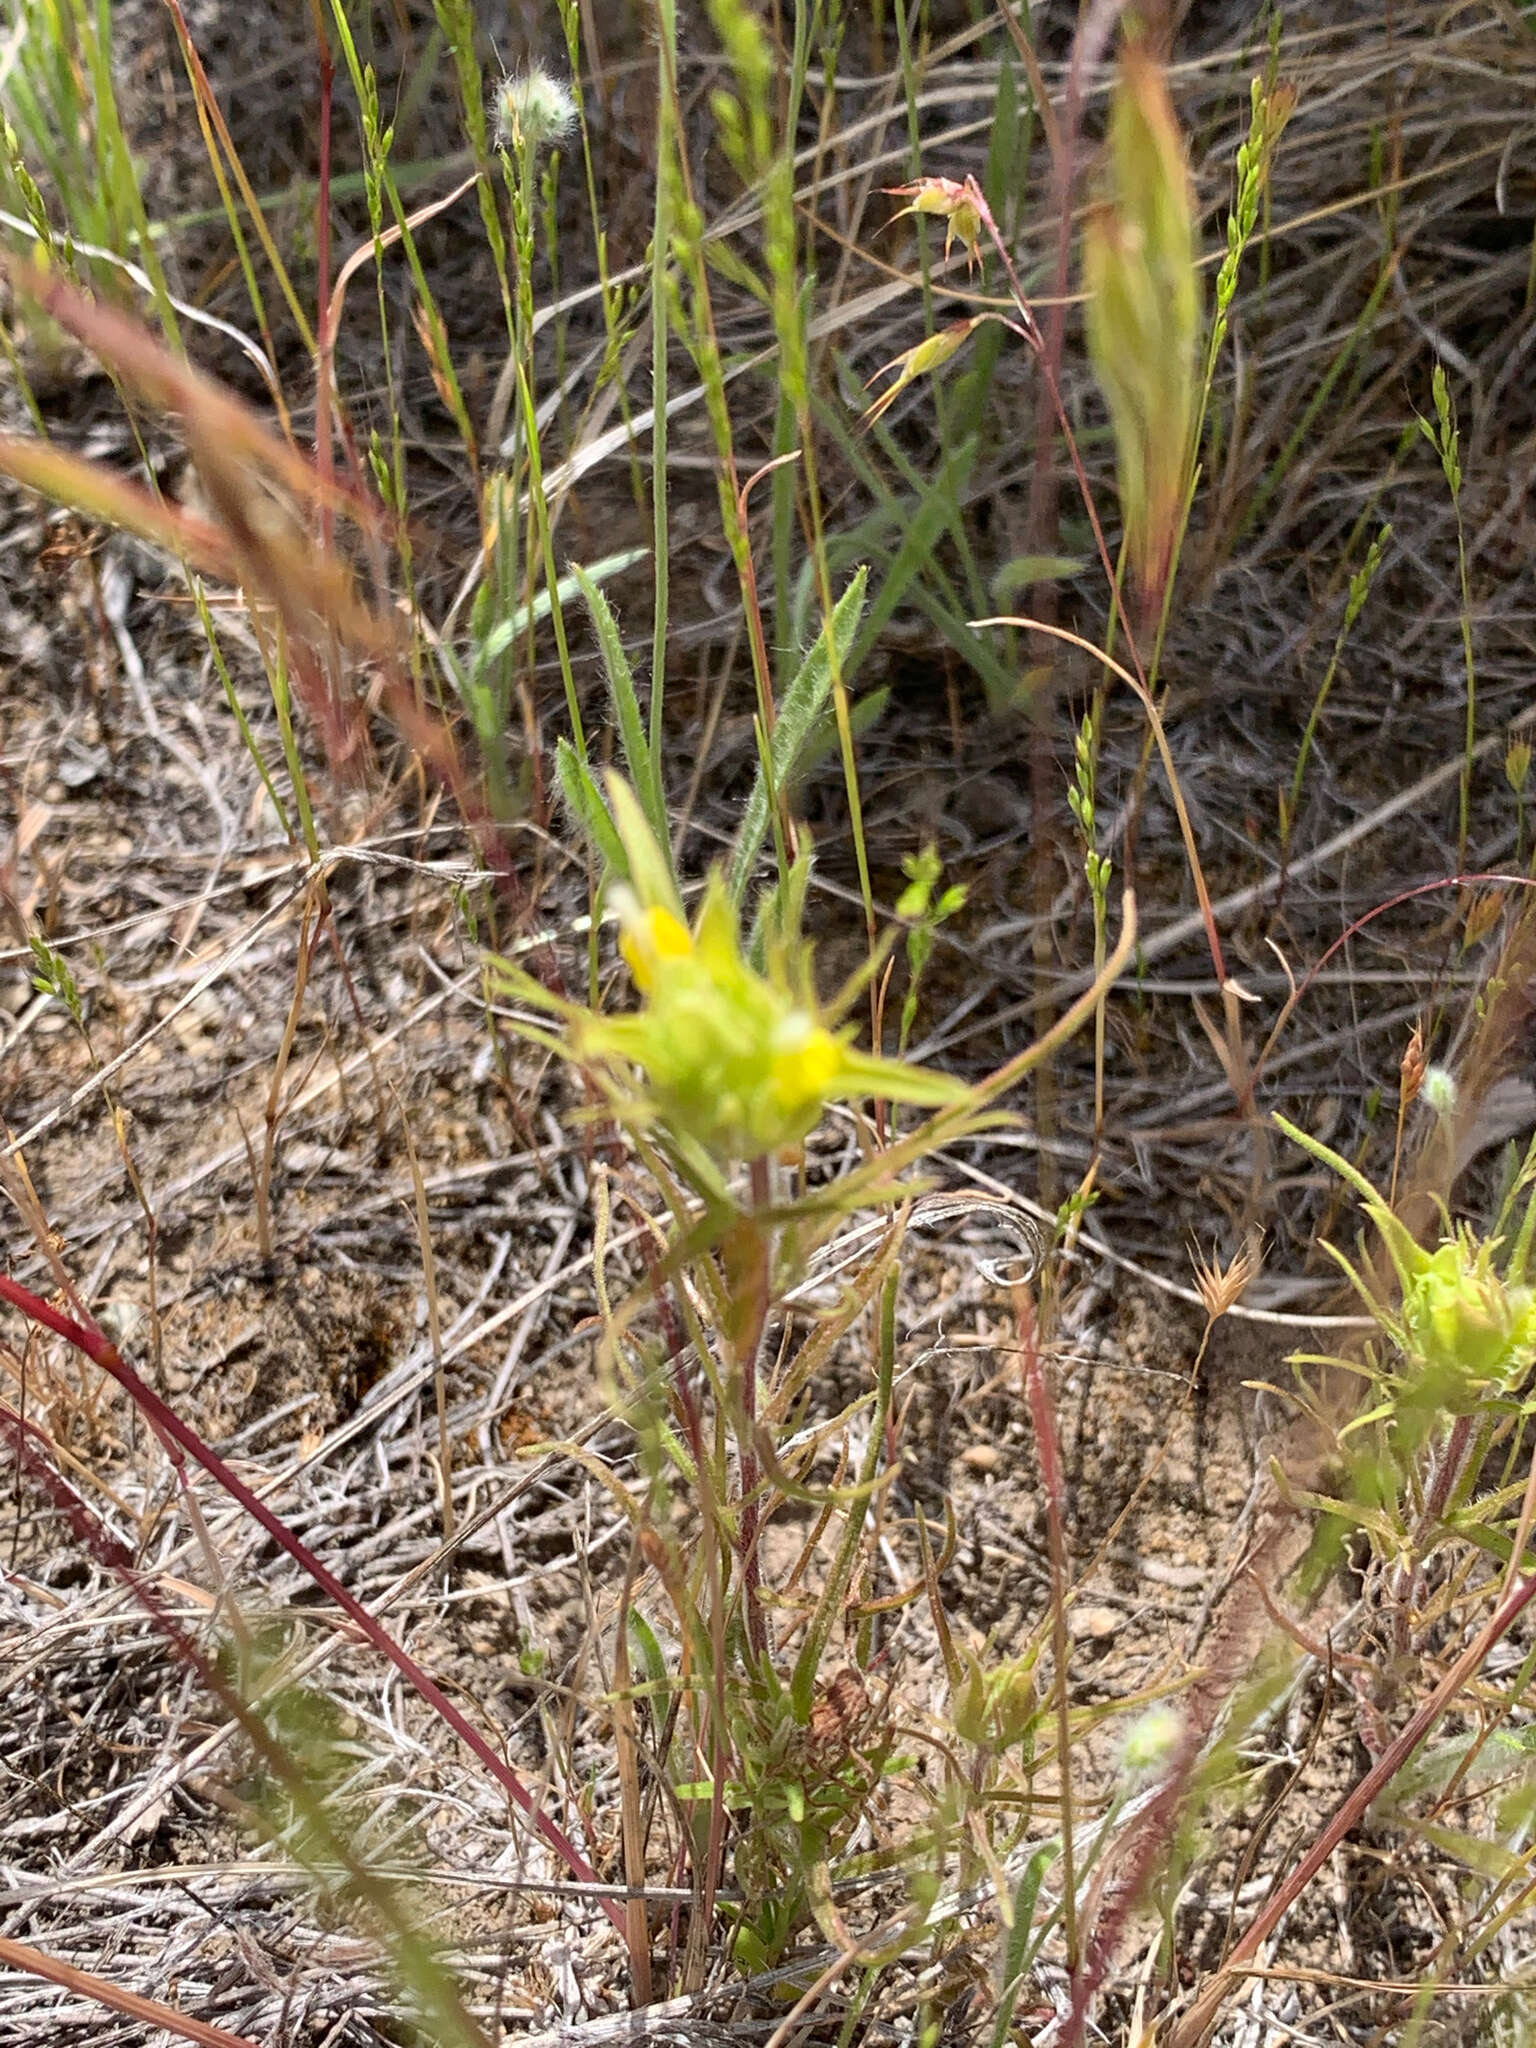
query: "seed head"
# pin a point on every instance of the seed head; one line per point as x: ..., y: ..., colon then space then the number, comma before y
x: 1440, y: 1090
x: 533, y: 109
x: 1152, y: 1741
x: 1222, y: 1286
x: 1414, y: 1067
x: 1144, y: 314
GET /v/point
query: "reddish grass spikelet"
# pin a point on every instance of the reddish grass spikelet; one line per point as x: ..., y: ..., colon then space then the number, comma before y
x: 1412, y: 1068
x: 959, y: 204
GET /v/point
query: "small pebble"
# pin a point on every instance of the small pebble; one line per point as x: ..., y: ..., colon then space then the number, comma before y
x: 1097, y: 1624
x: 981, y: 1457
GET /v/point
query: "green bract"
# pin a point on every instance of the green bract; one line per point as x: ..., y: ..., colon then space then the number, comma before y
x: 1144, y: 312
x: 737, y: 1061
x: 1466, y: 1327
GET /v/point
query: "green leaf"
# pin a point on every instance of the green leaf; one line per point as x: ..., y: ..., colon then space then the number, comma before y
x: 1025, y: 570
x: 865, y: 713
x: 651, y: 1655
x: 780, y: 914
x: 1488, y: 1859
x: 584, y: 801
x: 501, y: 636
x: 648, y: 853
x: 1023, y: 1938
x: 798, y: 710
x: 643, y: 769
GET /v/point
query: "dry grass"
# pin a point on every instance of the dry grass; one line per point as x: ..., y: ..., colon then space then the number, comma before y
x: 285, y: 1308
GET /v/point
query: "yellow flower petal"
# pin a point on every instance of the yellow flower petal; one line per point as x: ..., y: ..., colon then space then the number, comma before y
x: 804, y: 1072
x: 650, y: 939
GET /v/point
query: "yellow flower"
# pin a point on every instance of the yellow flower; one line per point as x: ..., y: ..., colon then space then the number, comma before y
x: 735, y: 1059
x: 806, y: 1062
x: 654, y: 937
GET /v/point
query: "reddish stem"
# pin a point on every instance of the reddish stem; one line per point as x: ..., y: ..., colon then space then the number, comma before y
x: 34, y: 1453
x: 87, y: 1338
x: 751, y: 1507
x: 1053, y: 1482
x: 16, y: 1955
x: 1198, y: 2021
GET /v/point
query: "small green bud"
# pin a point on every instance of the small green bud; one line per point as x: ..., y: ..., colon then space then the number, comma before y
x: 996, y: 1708
x: 1466, y: 1328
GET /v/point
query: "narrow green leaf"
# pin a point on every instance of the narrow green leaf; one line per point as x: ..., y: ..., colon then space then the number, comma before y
x: 1023, y: 1938
x: 644, y: 769
x: 1025, y: 570
x: 798, y: 710
x: 501, y: 636
x: 584, y: 801
x: 651, y: 1654
x: 648, y: 854
x: 863, y: 716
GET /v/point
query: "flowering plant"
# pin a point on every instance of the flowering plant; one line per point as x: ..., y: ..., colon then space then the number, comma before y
x: 735, y: 1061
x: 1470, y: 1329
x: 1464, y: 1327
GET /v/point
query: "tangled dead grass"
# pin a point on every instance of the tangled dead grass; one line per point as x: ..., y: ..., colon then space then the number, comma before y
x: 143, y: 845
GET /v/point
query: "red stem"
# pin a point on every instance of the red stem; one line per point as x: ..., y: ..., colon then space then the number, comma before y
x: 34, y: 1452
x: 751, y: 1507
x: 16, y: 1955
x: 1053, y: 1483
x: 1491, y: 879
x: 86, y: 1337
x: 1201, y: 2016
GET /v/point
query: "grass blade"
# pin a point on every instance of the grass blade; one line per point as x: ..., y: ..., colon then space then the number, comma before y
x: 797, y: 716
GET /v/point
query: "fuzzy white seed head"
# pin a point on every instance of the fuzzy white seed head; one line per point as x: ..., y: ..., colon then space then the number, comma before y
x: 1439, y: 1090
x: 1152, y: 1740
x: 533, y: 109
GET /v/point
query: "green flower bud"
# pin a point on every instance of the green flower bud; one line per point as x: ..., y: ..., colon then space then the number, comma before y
x: 1466, y: 1329
x: 996, y: 1708
x: 739, y: 1061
